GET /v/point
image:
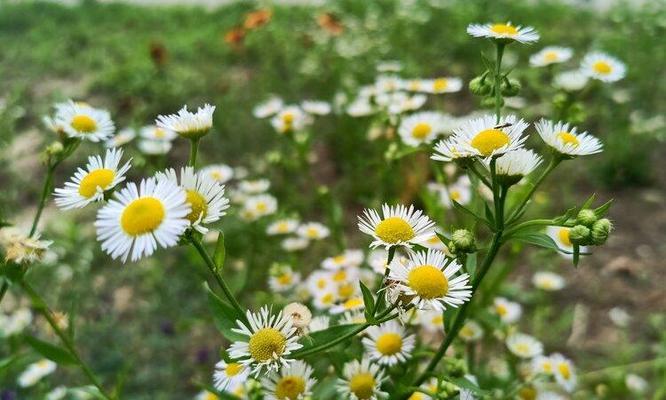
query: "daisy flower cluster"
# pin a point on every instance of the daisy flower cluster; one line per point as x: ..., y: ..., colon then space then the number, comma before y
x: 290, y: 118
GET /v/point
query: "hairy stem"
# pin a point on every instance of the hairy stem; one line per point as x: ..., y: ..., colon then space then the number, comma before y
x: 48, y: 182
x: 194, y: 148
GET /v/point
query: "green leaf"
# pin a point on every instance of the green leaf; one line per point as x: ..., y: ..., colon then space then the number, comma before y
x: 466, y: 210
x: 368, y: 301
x: 538, y: 239
x: 224, y: 315
x: 471, y: 263
x: 443, y: 238
x: 220, y: 253
x: 570, y: 213
x: 603, y: 209
x: 7, y: 361
x: 589, y: 201
x: 319, y: 338
x: 54, y: 353
x: 464, y: 383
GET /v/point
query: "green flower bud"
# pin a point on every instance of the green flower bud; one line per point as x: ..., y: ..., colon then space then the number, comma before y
x: 456, y: 367
x: 463, y: 241
x: 489, y: 102
x: 600, y: 231
x: 510, y: 88
x: 54, y: 148
x: 580, y: 235
x: 586, y: 217
x: 479, y: 86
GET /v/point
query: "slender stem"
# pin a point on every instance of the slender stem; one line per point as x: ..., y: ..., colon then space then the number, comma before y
x: 478, y: 174
x: 220, y: 281
x: 42, y: 307
x: 194, y: 148
x: 498, y: 81
x: 48, y: 182
x: 3, y: 289
x: 554, y: 162
x: 526, y: 224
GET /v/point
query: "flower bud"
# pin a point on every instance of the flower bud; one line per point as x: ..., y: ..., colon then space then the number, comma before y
x: 510, y: 88
x: 490, y: 102
x: 586, y: 217
x: 600, y: 231
x: 54, y: 148
x: 580, y: 235
x: 462, y: 241
x: 479, y: 86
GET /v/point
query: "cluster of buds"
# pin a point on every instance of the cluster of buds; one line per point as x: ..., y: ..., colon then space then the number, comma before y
x: 483, y: 86
x: 590, y: 229
x: 462, y: 242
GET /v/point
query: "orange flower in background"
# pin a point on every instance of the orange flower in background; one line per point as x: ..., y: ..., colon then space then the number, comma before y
x: 257, y: 19
x: 235, y: 36
x: 330, y: 23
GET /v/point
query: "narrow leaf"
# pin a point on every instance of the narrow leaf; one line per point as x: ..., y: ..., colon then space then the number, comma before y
x: 224, y: 315
x: 368, y: 301
x: 54, y: 353
x: 220, y: 252
x: 603, y: 209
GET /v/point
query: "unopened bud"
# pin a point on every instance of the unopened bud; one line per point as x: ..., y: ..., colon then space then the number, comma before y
x: 479, y: 86
x: 600, y: 231
x: 586, y: 217
x: 580, y: 235
x: 510, y: 88
x: 463, y: 241
x: 54, y: 148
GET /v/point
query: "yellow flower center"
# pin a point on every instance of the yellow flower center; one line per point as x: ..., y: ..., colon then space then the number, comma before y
x: 198, y: 204
x: 550, y: 56
x: 547, y: 367
x: 340, y: 275
x: 421, y: 130
x: 362, y: 385
x: 339, y: 259
x: 234, y: 369
x: 563, y: 235
x: 159, y: 133
x: 504, y: 29
x: 489, y: 140
x: 288, y: 118
x: 142, y: 215
x: 602, y: 67
x: 527, y: 393
x: 353, y: 303
x: 216, y: 175
x: 440, y: 84
x: 389, y: 344
x: 284, y: 279
x: 416, y: 396
x: 414, y: 85
x: 99, y: 178
x: 290, y: 387
x: 84, y: 123
x: 568, y: 138
x: 522, y: 348
x: 327, y: 298
x: 455, y: 195
x: 565, y: 371
x: 265, y: 343
x: 261, y: 206
x: 428, y: 282
x: 312, y: 233
x: 282, y: 227
x: 346, y: 290
x: 466, y: 332
x: 501, y: 310
x: 394, y: 230
x: 438, y: 320
x: 321, y: 283
x: 211, y: 396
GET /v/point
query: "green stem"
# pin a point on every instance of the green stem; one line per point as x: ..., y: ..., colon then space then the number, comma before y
x: 554, y: 162
x: 3, y: 289
x: 498, y: 81
x: 48, y: 182
x: 194, y: 148
x: 220, y: 281
x: 479, y: 175
x: 42, y: 307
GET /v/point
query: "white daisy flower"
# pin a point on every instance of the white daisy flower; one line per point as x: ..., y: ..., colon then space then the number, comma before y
x: 270, y: 338
x: 348, y: 258
x: 362, y: 380
x: 360, y: 107
x: 88, y: 185
x: 220, y: 173
x: 289, y: 119
x: 291, y: 383
x: 471, y: 331
x: 35, y: 372
x: 431, y: 320
x: 284, y: 279
x: 268, y: 108
x: 260, y: 206
x: 508, y: 311
x: 387, y: 83
x: 460, y: 192
x: 154, y: 147
x: 398, y: 226
x: 294, y: 244
x: 351, y: 304
x: 313, y: 231
x: 79, y: 120
x: 320, y: 281
x: 140, y: 218
x: 504, y: 32
x: 441, y: 85
x: 571, y: 81
x: 207, y: 395
x: 551, y: 55
x: 15, y: 323
x: 413, y: 85
x: 324, y: 300
x: 388, y: 344
x: 566, y: 140
x: 228, y: 375
x: 187, y: 124
x: 548, y: 281
x: 316, y: 107
x: 428, y: 279
x: 564, y: 371
x: 123, y: 137
x: 56, y: 394
x: 405, y: 103
x: 254, y: 186
x: 524, y: 346
x: 482, y: 137
x: 435, y: 243
x: 542, y: 365
x: 421, y: 128
x: 158, y: 134
x: 283, y: 226
x: 560, y: 235
x: 516, y: 164
x: 603, y: 67
x: 319, y: 323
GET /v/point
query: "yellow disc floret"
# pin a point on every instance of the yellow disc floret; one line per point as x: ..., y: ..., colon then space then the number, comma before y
x: 362, y: 385
x: 563, y: 235
x: 234, y: 369
x: 290, y: 387
x: 142, y: 215
x: 504, y: 29
x: 429, y: 282
x: 421, y: 130
x: 84, y: 123
x: 389, y: 344
x: 564, y: 370
x: 568, y: 138
x: 602, y: 67
x: 198, y: 204
x: 489, y: 140
x: 265, y: 343
x: 550, y: 56
x: 394, y: 230
x: 440, y: 84
x: 99, y: 178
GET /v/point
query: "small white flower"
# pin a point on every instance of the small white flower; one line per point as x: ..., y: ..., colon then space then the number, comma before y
x: 294, y: 244
x: 388, y: 344
x: 524, y: 346
x: 254, y: 186
x: 89, y: 185
x: 35, y: 372
x: 268, y: 108
x: 360, y: 107
x: 560, y: 235
x: 349, y: 258
x: 421, y: 128
x: 548, y: 281
x: 228, y: 375
x: 441, y: 85
x: 566, y: 140
x: 220, y: 173
x: 571, y: 81
x: 82, y: 121
x: 158, y: 134
x: 603, y: 67
x: 471, y: 331
x: 517, y: 163
x: 351, y: 304
x: 282, y: 226
x: 188, y: 124
x: 508, y: 311
x: 505, y: 31
x: 154, y: 147
x: 564, y: 372
x: 398, y: 226
x: 124, y: 136
x: 291, y: 383
x: 319, y: 323
x: 316, y: 107
x: 259, y: 206
x: 636, y: 383
x: 550, y: 55
x: 431, y: 320
x: 289, y: 119
x: 313, y: 231
x: 362, y: 380
x: 284, y: 280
